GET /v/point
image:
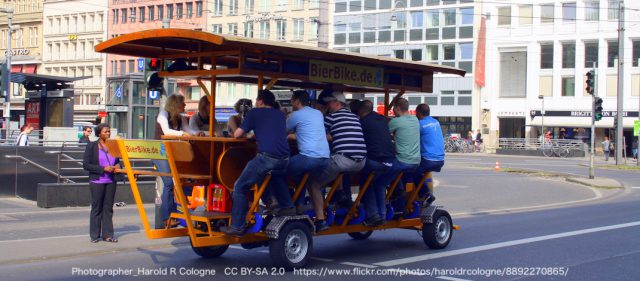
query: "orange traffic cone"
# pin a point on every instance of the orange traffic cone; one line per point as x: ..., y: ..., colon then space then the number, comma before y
x: 497, y: 166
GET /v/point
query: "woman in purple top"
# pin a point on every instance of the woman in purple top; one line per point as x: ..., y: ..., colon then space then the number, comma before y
x: 101, y: 166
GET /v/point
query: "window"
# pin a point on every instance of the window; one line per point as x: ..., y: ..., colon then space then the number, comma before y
x: 298, y: 4
x: 433, y: 2
x: 546, y: 13
x: 612, y: 53
x: 356, y: 5
x: 152, y: 15
x: 281, y: 30
x: 591, y: 11
x: 513, y: 74
x: 526, y: 14
x: 216, y: 28
x: 124, y: 15
x: 314, y: 4
x: 569, y: 12
x: 189, y: 10
x: 449, y: 51
x: 433, y: 18
x: 417, y: 20
x: 466, y: 56
x: 232, y: 28
x: 179, y: 10
x: 635, y: 53
x: 398, y: 54
x: 160, y: 12
x: 370, y: 5
x: 248, y: 29
x: 170, y: 11
x: 432, y: 53
x: 313, y: 33
x: 142, y: 14
x: 384, y: 4
x: 281, y: 5
x: 264, y: 30
x: 33, y: 36
x: 614, y: 11
x: 447, y: 98
x: 115, y: 17
x: 568, y: 55
x: 431, y: 100
x: 546, y: 56
x: 504, y: 16
x: 132, y: 14
x: 298, y: 29
x: 131, y: 66
x: 217, y: 8
x: 449, y: 17
x: 466, y: 15
x: 265, y: 5
x: 414, y: 100
x: 199, y: 9
x: 233, y: 7
x: 249, y: 6
x: 568, y: 86
x: 416, y: 55
x: 590, y: 54
x: 464, y: 97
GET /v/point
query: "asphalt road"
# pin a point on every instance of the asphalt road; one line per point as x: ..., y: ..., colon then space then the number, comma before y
x: 513, y: 227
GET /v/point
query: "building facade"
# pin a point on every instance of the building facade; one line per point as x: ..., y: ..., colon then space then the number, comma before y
x: 71, y: 30
x: 538, y: 55
x: 432, y: 31
x: 294, y: 21
x: 129, y: 107
x: 26, y: 45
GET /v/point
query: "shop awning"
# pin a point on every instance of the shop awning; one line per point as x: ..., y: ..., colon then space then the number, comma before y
x: 577, y: 122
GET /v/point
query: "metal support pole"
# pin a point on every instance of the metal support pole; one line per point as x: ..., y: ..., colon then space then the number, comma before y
x: 620, y: 116
x: 593, y: 124
x: 544, y: 134
x: 7, y: 97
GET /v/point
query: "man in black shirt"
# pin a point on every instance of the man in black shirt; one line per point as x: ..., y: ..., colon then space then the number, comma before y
x: 380, y: 156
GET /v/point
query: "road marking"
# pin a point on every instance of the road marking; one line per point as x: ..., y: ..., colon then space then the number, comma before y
x: 504, y: 244
x: 321, y: 259
x: 266, y: 251
x: 636, y: 187
x: 359, y: 264
x: 451, y: 278
x: 119, y: 233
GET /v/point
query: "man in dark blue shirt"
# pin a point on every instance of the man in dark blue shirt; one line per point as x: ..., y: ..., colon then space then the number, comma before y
x: 269, y: 126
x: 380, y: 158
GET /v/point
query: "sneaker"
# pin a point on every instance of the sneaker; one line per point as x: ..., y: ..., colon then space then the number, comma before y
x: 372, y: 221
x: 321, y: 225
x: 233, y: 231
x: 283, y: 212
x: 428, y: 200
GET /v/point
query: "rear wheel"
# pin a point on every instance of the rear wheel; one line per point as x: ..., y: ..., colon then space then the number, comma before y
x: 210, y: 252
x: 360, y: 235
x: 293, y: 247
x: 438, y: 234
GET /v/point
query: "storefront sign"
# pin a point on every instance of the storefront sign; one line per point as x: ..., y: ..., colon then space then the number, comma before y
x: 145, y: 149
x: 18, y: 52
x: 577, y: 113
x: 341, y: 73
x: 511, y: 113
x: 263, y: 17
x: 32, y: 109
x: 223, y: 113
x: 117, y: 108
x: 636, y: 127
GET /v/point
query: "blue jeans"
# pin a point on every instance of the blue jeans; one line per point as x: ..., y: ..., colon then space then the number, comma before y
x: 398, y: 166
x: 299, y: 165
x: 374, y: 198
x: 168, y: 205
x: 254, y: 173
x: 425, y: 166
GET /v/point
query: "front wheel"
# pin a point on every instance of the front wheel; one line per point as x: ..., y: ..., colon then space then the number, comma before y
x: 437, y: 235
x: 210, y: 252
x: 293, y: 247
x: 360, y: 235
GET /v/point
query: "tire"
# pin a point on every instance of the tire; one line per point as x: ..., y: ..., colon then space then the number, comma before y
x: 293, y: 247
x: 360, y: 235
x: 210, y: 252
x: 437, y: 235
x: 547, y: 151
x: 563, y: 152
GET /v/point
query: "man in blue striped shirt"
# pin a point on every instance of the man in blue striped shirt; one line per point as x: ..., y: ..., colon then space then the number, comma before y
x: 348, y: 148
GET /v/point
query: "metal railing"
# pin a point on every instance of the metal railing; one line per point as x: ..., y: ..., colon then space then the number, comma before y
x: 537, y: 144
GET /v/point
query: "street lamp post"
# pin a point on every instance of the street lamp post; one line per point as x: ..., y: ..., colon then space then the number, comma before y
x: 542, y: 112
x: 7, y: 93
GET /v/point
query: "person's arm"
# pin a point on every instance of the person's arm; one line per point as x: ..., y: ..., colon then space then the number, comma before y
x: 188, y: 129
x: 163, y: 120
x: 238, y: 133
x: 246, y: 126
x: 89, y: 158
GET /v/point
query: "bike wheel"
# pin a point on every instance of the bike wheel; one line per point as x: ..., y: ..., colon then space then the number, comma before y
x: 564, y: 152
x: 547, y: 151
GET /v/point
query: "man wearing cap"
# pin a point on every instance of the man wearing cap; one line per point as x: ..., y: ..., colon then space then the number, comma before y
x: 406, y: 132
x: 348, y: 148
x: 269, y: 126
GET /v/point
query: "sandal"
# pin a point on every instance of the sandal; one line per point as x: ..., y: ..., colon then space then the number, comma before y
x: 171, y: 223
x: 95, y: 240
x: 110, y: 239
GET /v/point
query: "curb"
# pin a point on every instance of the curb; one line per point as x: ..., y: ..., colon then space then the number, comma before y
x: 594, y: 183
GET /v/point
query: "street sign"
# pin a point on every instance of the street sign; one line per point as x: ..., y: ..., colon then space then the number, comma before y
x: 140, y: 64
x: 154, y: 94
x: 119, y: 91
x: 636, y: 128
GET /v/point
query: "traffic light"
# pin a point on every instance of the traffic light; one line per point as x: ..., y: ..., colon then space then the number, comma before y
x: 597, y: 109
x: 591, y: 82
x: 151, y: 78
x: 4, y: 80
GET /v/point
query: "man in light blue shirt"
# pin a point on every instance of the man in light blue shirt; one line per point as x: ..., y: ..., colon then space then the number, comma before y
x: 431, y: 149
x: 306, y: 126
